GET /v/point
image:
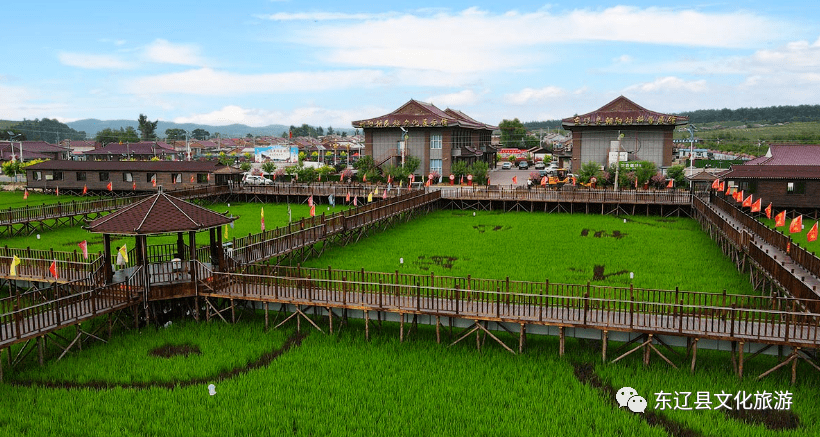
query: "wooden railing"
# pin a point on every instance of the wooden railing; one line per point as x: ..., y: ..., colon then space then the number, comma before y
x: 584, y: 195
x: 313, y: 229
x: 339, y: 191
x: 720, y: 316
x: 801, y: 256
x: 68, y: 305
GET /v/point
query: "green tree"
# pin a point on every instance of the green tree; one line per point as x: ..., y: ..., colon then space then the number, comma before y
x: 365, y: 164
x: 246, y: 166
x: 514, y: 134
x: 479, y: 171
x: 588, y: 171
x: 108, y: 135
x: 459, y: 168
x: 677, y: 173
x: 249, y: 135
x: 147, y: 128
x: 268, y: 167
x: 411, y: 164
x: 225, y: 159
x: 645, y: 172
x: 200, y: 134
x: 330, y: 130
x: 174, y: 134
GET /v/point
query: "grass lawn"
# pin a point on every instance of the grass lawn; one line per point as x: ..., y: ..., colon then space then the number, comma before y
x: 344, y: 385
x: 569, y: 248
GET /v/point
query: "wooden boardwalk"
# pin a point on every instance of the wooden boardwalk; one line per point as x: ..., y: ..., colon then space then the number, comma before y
x: 719, y: 322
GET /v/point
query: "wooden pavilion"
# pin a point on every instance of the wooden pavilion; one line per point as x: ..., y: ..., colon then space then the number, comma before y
x: 167, y: 271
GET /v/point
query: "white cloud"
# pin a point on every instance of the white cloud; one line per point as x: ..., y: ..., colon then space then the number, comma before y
x: 92, y: 61
x: 531, y: 95
x: 164, y: 52
x: 206, y: 81
x: 455, y: 100
x: 669, y: 83
x: 475, y: 40
x: 232, y: 114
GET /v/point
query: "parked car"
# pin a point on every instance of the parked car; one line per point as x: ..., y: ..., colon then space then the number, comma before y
x: 539, y: 165
x: 506, y: 166
x: 256, y: 180
x: 523, y: 165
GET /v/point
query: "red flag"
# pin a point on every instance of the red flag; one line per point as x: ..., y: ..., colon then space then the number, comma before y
x: 110, y: 188
x: 389, y: 179
x: 715, y: 184
x: 84, y: 247
x: 769, y: 211
x: 739, y: 197
x: 780, y: 219
x: 347, y: 198
x: 728, y: 190
x: 756, y: 206
x: 310, y: 201
x: 722, y: 186
x: 134, y: 185
x: 796, y: 225
x: 544, y: 181
x: 154, y: 180
x: 58, y: 191
x: 313, y: 210
x: 356, y: 202
x: 515, y: 179
x: 53, y: 269
x: 747, y: 201
x: 636, y: 182
x: 85, y: 190
x: 812, y: 235
x: 192, y: 179
x: 290, y: 134
x: 461, y: 181
x: 384, y: 194
x: 364, y: 178
x: 672, y: 183
x: 25, y: 194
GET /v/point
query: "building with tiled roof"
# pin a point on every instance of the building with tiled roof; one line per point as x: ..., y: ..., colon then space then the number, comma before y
x: 32, y: 150
x: 139, y: 151
x: 647, y: 135
x: 789, y: 154
x: 437, y: 137
x: 785, y: 186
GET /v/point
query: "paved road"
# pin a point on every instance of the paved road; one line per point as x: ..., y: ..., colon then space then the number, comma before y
x: 504, y: 177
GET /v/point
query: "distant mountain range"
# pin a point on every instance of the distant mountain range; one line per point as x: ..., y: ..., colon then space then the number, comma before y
x: 91, y: 126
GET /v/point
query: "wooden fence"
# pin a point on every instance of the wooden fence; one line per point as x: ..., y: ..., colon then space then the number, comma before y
x: 705, y: 315
x: 672, y: 197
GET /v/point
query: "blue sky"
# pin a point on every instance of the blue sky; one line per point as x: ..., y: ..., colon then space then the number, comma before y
x: 327, y: 63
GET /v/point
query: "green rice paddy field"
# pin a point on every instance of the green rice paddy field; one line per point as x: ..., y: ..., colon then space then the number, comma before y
x: 343, y: 385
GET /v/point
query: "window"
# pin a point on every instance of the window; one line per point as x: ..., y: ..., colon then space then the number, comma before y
x: 176, y: 178
x: 80, y: 175
x: 38, y: 176
x: 150, y: 177
x: 796, y: 187
x: 103, y: 176
x: 435, y: 166
x: 202, y: 178
x: 57, y: 175
x: 127, y: 177
x: 748, y: 187
x: 435, y: 141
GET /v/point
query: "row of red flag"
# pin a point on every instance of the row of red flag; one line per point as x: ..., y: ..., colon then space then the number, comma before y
x: 796, y: 224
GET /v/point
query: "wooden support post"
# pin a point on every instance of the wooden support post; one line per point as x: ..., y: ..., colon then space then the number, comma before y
x: 560, y: 341
x: 646, y: 351
x: 740, y: 361
x: 604, y: 338
x: 478, y: 336
x: 522, y: 338
x: 438, y: 330
x: 794, y: 364
x: 1, y: 365
x: 79, y: 337
x: 330, y: 319
x: 110, y: 325
x: 298, y: 319
x: 233, y: 312
x: 366, y: 325
x: 196, y: 308
x: 267, y: 323
x: 694, y: 355
x: 401, y: 327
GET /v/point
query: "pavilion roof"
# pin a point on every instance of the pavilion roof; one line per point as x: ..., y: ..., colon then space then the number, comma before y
x: 773, y: 172
x: 415, y: 114
x: 624, y: 112
x: 158, y: 214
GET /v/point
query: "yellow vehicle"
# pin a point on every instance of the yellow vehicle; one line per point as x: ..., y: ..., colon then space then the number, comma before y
x: 560, y: 178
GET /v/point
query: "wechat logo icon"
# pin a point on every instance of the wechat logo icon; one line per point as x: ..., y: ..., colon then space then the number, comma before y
x: 628, y: 397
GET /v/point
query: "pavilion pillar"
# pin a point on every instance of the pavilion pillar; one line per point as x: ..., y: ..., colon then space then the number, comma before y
x: 192, y: 254
x: 142, y: 259
x: 109, y: 271
x: 220, y: 251
x: 214, y: 255
x: 180, y: 246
